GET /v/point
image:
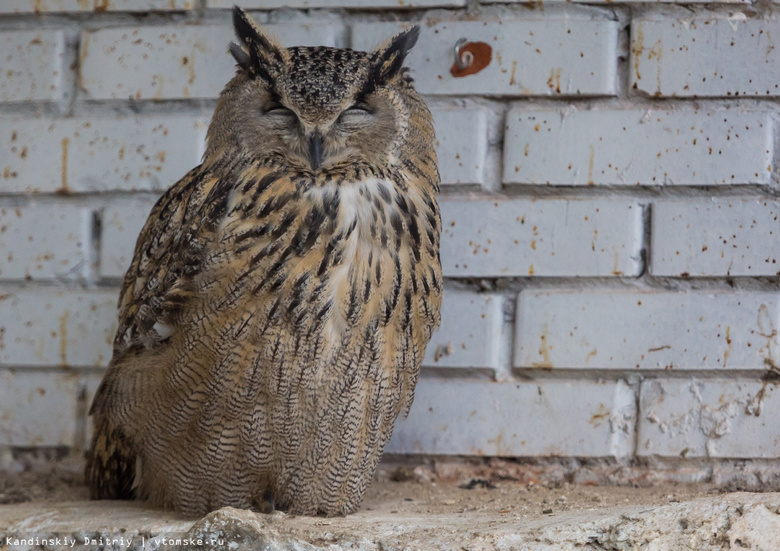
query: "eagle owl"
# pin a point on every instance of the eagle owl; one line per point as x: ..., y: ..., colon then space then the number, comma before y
x: 281, y: 294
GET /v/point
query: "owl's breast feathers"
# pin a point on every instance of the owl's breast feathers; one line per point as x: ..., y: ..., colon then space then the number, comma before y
x: 259, y: 311
x: 334, y: 259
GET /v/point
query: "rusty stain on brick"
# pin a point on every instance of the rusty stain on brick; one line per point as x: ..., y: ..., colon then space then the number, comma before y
x: 657, y: 52
x: 554, y: 81
x: 659, y: 348
x: 766, y: 329
x: 591, y: 161
x: 616, y: 264
x: 442, y: 351
x: 64, y: 174
x: 482, y: 53
x: 730, y: 348
x: 602, y: 413
x: 637, y: 48
x: 544, y: 350
x: 500, y: 448
x: 189, y: 61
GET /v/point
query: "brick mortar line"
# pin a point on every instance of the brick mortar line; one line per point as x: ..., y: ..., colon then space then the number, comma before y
x: 464, y: 192
x: 637, y: 376
x: 636, y: 387
x: 506, y: 341
x: 635, y: 102
x: 508, y: 288
x: 642, y: 193
x: 55, y: 369
x: 86, y: 200
x: 645, y: 249
x: 93, y: 248
x: 722, y: 285
x: 70, y: 77
x: 633, y: 377
x: 581, y: 462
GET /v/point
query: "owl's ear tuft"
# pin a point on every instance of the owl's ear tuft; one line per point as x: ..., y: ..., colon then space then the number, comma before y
x: 265, y: 56
x: 241, y: 57
x: 388, y: 60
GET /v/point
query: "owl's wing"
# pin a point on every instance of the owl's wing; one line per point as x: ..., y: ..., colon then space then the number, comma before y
x: 168, y: 253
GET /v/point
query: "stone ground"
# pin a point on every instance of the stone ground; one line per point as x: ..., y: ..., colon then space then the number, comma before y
x: 407, y: 508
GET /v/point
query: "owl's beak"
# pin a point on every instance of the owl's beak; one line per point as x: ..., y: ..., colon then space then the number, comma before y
x: 315, y: 150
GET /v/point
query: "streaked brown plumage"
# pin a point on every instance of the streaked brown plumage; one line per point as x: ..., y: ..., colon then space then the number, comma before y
x: 281, y: 295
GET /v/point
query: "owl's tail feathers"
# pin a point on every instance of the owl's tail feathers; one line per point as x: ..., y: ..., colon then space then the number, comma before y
x: 111, y: 463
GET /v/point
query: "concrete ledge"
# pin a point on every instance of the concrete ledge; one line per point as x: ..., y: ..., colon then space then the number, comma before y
x: 738, y: 520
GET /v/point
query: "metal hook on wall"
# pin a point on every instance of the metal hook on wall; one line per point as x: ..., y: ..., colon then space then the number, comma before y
x: 462, y: 59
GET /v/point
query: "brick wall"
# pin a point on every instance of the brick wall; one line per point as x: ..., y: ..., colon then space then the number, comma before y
x: 609, y: 204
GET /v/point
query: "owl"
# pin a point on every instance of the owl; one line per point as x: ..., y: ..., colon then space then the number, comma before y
x: 281, y: 295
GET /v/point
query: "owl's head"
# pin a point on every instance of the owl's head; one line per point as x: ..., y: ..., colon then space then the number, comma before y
x: 313, y: 109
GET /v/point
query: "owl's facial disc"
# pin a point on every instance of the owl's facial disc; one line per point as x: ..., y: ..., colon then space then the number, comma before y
x: 314, y: 108
x: 331, y: 137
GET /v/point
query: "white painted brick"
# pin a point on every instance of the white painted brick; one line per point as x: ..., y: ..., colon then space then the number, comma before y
x: 174, y: 61
x: 556, y: 55
x: 646, y: 330
x: 57, y: 327
x: 122, y: 222
x: 40, y: 242
x: 715, y: 418
x: 98, y: 154
x: 38, y: 408
x: 336, y: 4
x: 462, y: 145
x: 705, y: 56
x: 549, y: 418
x: 58, y: 6
x: 31, y: 65
x: 715, y: 237
x: 647, y: 147
x: 544, y: 237
x: 470, y: 332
